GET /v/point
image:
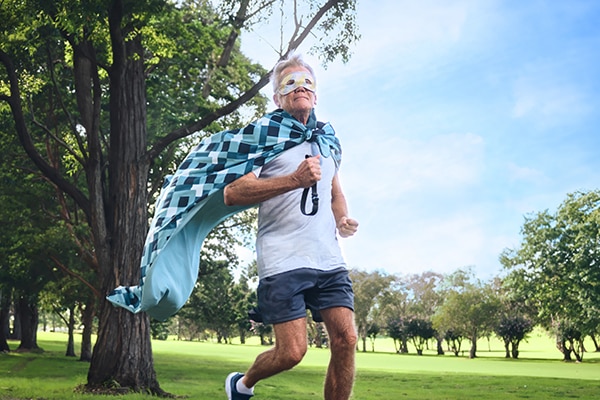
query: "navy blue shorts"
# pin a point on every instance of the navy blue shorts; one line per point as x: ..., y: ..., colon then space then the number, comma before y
x: 286, y: 296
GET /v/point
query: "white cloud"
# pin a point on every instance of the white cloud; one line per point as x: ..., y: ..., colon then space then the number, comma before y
x: 380, y: 168
x: 543, y: 99
x: 405, y: 242
x: 520, y: 173
x: 398, y: 38
x: 547, y: 92
x: 402, y: 24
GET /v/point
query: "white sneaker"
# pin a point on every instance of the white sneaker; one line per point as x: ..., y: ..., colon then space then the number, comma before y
x: 231, y: 387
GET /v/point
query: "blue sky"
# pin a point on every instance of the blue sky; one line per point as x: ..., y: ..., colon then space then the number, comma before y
x: 458, y: 118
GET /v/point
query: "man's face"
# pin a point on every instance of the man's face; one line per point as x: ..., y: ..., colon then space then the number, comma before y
x: 297, y: 98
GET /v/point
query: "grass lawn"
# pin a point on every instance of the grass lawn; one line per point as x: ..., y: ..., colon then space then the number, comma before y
x: 197, y: 369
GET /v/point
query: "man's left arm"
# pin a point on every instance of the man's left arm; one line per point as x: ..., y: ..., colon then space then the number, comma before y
x: 346, y: 226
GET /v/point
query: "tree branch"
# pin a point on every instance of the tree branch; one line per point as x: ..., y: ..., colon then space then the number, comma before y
x: 76, y: 276
x: 86, y: 254
x: 57, y: 312
x: 197, y: 126
x: 238, y: 22
x: 294, y: 44
x: 53, y: 136
x: 14, y: 100
x: 72, y: 122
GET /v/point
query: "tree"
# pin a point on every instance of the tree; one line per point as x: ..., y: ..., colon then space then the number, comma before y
x: 26, y: 237
x: 263, y: 331
x: 244, y: 300
x: 595, y: 341
x: 517, y: 318
x: 555, y: 268
x: 368, y: 287
x: 4, y: 315
x: 160, y: 329
x: 512, y: 330
x: 397, y: 329
x: 372, y: 333
x: 471, y: 313
x: 425, y: 293
x: 394, y: 306
x: 426, y: 296
x: 34, y: 239
x: 569, y: 339
x: 419, y: 331
x: 84, y: 71
x: 317, y: 333
x: 454, y: 341
x: 219, y: 303
x: 212, y: 303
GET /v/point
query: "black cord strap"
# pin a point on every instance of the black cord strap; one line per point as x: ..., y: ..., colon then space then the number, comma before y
x: 314, y: 197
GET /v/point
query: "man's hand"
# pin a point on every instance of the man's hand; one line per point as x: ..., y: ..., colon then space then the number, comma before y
x: 347, y: 227
x: 308, y: 172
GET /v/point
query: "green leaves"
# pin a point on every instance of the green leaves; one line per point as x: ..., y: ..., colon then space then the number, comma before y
x: 556, y: 264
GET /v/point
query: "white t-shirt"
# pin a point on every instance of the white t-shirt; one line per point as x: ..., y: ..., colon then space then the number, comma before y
x: 288, y: 239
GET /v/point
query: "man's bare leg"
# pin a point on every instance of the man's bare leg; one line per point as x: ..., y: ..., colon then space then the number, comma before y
x: 289, y: 349
x: 342, y: 336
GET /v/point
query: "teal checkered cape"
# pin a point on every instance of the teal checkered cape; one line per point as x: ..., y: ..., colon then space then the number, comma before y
x: 191, y: 204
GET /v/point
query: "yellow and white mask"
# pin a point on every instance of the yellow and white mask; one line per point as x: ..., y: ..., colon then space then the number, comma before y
x: 295, y: 80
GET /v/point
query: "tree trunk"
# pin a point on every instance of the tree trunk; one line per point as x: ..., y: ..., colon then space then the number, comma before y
x: 561, y: 345
x: 87, y: 319
x: 593, y: 336
x: 319, y: 335
x: 28, y: 311
x: 16, y: 331
x: 419, y: 344
x: 515, y: 349
x: 71, y: 333
x: 507, y: 348
x: 123, y: 352
x: 473, y: 350
x: 440, y: 348
x: 404, y: 348
x: 577, y: 348
x: 4, y: 320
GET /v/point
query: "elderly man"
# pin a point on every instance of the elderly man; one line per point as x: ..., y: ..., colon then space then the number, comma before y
x: 299, y: 259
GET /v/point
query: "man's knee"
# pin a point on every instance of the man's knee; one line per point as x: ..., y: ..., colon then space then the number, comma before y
x: 350, y: 338
x: 290, y: 357
x: 345, y: 339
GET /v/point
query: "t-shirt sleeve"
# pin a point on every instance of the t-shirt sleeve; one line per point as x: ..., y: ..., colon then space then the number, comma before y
x: 257, y: 171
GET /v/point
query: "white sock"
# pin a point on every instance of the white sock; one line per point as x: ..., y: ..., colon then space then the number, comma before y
x: 241, y: 388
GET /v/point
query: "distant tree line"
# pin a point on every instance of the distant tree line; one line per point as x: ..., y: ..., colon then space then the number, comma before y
x: 550, y: 281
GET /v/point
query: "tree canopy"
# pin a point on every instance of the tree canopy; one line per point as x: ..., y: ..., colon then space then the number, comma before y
x: 555, y: 269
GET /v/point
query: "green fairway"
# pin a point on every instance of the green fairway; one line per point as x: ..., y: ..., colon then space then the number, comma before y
x: 197, y: 370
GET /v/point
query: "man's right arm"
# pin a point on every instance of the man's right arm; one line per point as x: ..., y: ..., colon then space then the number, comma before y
x: 250, y: 189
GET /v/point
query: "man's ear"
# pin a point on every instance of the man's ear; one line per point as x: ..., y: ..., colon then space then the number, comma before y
x: 315, y: 100
x: 276, y: 100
